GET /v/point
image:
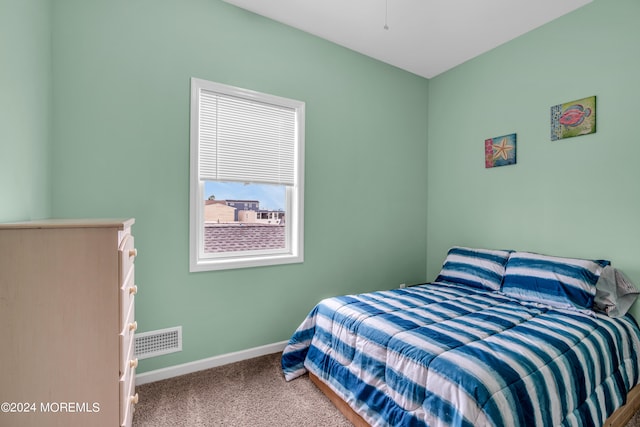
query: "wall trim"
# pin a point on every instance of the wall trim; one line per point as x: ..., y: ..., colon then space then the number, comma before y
x: 208, y: 363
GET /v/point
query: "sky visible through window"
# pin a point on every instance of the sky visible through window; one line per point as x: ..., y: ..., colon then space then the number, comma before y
x: 271, y: 197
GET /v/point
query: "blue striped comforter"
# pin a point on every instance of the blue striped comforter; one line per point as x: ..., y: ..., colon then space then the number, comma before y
x: 442, y: 354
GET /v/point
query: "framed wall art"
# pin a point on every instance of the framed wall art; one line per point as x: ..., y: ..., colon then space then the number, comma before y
x: 573, y: 118
x: 500, y: 151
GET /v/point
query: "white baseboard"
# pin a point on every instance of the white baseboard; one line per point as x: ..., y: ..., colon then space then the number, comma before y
x: 211, y: 362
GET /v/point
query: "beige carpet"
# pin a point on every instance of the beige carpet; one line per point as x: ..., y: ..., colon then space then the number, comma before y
x: 249, y: 393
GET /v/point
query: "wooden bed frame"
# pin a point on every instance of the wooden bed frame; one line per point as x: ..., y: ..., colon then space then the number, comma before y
x: 618, y: 419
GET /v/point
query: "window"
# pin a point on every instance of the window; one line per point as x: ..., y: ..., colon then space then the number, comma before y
x: 245, y: 145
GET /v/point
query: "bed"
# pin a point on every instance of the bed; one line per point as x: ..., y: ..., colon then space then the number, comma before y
x: 500, y: 338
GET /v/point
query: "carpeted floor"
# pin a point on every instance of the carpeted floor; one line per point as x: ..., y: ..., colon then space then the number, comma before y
x: 248, y: 393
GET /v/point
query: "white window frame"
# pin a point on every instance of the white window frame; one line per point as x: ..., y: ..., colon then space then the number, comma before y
x: 294, y: 223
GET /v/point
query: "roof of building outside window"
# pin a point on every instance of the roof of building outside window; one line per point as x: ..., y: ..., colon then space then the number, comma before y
x: 243, y: 237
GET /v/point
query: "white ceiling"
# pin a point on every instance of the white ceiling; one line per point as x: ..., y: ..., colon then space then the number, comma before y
x: 425, y: 37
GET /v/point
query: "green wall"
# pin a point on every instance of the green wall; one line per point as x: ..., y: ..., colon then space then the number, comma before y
x: 25, y: 103
x: 94, y: 122
x: 576, y: 197
x: 121, y: 148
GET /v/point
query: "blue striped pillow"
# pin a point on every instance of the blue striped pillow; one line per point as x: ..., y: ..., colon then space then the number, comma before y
x: 479, y: 268
x: 559, y: 282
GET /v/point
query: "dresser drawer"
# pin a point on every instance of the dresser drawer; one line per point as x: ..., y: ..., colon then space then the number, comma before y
x: 127, y: 358
x: 127, y: 252
x: 128, y: 290
x: 128, y: 397
x: 129, y: 325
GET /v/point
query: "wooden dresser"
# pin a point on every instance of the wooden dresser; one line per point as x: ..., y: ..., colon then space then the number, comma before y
x: 67, y: 295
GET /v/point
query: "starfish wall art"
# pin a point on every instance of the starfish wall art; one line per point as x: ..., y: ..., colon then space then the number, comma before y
x: 500, y: 151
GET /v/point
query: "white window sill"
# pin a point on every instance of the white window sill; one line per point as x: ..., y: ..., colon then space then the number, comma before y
x: 244, y: 262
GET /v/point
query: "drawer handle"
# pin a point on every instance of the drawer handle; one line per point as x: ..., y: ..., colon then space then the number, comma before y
x: 133, y: 363
x: 133, y: 326
x: 134, y: 399
x: 133, y: 290
x: 133, y: 253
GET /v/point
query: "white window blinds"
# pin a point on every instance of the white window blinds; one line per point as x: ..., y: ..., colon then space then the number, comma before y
x: 245, y: 140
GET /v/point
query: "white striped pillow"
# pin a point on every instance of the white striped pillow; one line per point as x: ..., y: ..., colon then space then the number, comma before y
x: 559, y: 282
x: 479, y: 268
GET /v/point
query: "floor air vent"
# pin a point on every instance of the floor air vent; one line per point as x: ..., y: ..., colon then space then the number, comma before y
x: 156, y: 343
